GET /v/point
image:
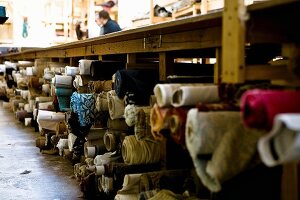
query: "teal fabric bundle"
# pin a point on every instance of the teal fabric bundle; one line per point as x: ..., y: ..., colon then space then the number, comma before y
x: 64, y: 103
x: 84, y: 106
x: 63, y: 91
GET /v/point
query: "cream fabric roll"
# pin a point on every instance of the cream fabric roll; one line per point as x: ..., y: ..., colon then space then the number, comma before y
x: 43, y: 99
x: 140, y: 152
x: 61, y: 145
x: 24, y: 94
x: 46, y: 106
x: 27, y: 108
x: 131, y: 185
x: 71, y: 141
x: 85, y: 67
x: 193, y: 94
x: 46, y: 88
x: 27, y: 121
x: 163, y: 93
x: 49, y: 119
x: 102, y: 102
x: 71, y: 71
x: 29, y: 71
x: 282, y: 144
x: 63, y: 81
x: 105, y: 158
x: 129, y: 114
x: 116, y: 105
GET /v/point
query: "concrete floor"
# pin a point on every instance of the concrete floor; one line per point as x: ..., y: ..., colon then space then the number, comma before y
x: 46, y: 177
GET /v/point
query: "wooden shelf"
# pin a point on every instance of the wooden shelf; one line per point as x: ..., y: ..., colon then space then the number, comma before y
x: 187, y: 11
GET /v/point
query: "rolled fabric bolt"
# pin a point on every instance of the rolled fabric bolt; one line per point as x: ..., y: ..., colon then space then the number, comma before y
x: 34, y: 82
x: 71, y: 71
x: 142, y: 128
x: 259, y: 107
x: 27, y: 121
x: 100, y: 188
x: 24, y: 94
x: 108, y: 184
x: 164, y: 92
x: 110, y: 141
x: 61, y: 128
x: 102, y: 102
x: 49, y: 119
x: 27, y: 108
x: 177, y: 123
x: 100, y: 86
x: 46, y: 88
x: 95, y: 134
x: 105, y: 158
x: 99, y: 170
x: 46, y: 106
x: 130, y: 114
x: 61, y: 145
x: 117, y: 125
x: 29, y: 71
x: 159, y: 120
x: 152, y: 100
x: 94, y: 148
x: 116, y: 105
x: 43, y: 99
x: 63, y: 81
x: 40, y: 142
x: 85, y: 67
x: 6, y: 105
x: 191, y: 95
x: 131, y: 184
x: 71, y: 141
x: 140, y: 152
x: 90, y: 152
x: 21, y: 105
x: 63, y: 91
x: 281, y: 145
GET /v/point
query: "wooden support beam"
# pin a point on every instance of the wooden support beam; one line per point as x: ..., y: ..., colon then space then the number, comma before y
x: 142, y: 66
x: 165, y: 63
x: 131, y: 58
x: 217, y: 66
x: 268, y: 72
x: 233, y: 41
x: 292, y: 52
x: 290, y: 182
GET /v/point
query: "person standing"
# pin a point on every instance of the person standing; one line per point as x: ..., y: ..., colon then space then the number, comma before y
x: 108, y: 25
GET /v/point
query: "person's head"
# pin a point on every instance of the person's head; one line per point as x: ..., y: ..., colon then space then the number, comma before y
x: 102, y: 18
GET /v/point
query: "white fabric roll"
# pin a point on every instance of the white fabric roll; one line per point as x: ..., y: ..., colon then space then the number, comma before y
x: 90, y: 152
x: 48, y: 119
x: 140, y: 152
x: 27, y: 108
x: 116, y: 105
x: 24, y: 63
x: 282, y: 144
x: 63, y: 81
x: 43, y: 99
x: 105, y: 158
x: 46, y: 106
x: 85, y: 67
x: 27, y: 121
x: 2, y: 68
x: 191, y: 95
x: 129, y: 114
x: 61, y: 145
x: 46, y: 88
x: 163, y: 93
x: 24, y: 94
x: 100, y: 170
x: 31, y: 104
x: 29, y: 71
x: 49, y: 75
x: 21, y: 105
x: 71, y: 71
x: 71, y: 141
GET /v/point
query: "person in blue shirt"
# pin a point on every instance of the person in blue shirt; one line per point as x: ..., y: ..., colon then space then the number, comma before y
x: 108, y: 25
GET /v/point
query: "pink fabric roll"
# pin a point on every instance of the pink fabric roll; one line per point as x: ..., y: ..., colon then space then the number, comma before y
x: 259, y: 107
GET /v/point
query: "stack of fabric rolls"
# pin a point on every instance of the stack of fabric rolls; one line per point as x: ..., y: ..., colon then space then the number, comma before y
x: 63, y: 91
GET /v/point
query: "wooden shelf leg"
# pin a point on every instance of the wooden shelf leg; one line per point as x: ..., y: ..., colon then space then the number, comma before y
x: 233, y: 42
x: 165, y: 63
x: 217, y: 66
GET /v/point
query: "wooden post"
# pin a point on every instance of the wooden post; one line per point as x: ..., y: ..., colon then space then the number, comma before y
x: 165, y: 63
x: 217, y: 65
x: 233, y: 41
x: 151, y: 17
x: 290, y: 182
x: 131, y: 58
x: 292, y: 52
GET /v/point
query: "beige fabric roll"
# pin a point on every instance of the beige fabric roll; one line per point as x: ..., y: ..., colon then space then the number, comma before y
x: 46, y: 106
x: 95, y: 134
x: 193, y: 94
x: 110, y: 141
x: 71, y: 141
x: 116, y: 106
x: 43, y: 99
x: 61, y: 128
x: 85, y: 66
x: 140, y: 152
x: 102, y: 102
x: 63, y: 81
x: 71, y: 71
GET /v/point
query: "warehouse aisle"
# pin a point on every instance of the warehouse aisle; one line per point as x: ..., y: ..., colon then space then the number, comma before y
x: 27, y: 174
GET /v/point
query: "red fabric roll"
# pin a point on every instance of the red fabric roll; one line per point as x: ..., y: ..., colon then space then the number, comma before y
x: 177, y: 123
x: 259, y: 107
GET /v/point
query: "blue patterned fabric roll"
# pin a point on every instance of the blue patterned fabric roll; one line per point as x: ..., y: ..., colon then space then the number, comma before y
x: 84, y: 106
